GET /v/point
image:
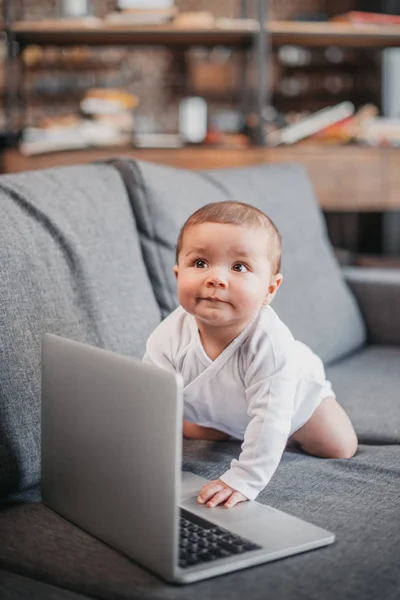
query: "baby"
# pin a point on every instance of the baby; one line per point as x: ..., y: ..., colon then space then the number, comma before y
x: 244, y: 374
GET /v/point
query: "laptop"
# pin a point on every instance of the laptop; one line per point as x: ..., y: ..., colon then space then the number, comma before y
x: 111, y: 464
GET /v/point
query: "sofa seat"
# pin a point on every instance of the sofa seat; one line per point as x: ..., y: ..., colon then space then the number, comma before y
x: 358, y: 499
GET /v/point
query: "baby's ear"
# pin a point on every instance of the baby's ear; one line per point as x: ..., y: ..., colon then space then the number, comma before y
x: 176, y: 270
x: 274, y: 284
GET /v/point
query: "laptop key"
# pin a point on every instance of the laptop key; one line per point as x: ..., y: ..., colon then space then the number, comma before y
x: 207, y: 557
x: 247, y: 547
x: 221, y: 553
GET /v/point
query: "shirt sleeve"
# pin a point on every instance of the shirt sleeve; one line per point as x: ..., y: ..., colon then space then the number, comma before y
x: 270, y: 406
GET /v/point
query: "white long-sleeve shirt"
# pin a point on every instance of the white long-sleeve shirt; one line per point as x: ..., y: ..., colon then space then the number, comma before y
x: 264, y: 386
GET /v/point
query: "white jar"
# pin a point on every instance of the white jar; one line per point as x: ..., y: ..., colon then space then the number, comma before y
x: 72, y: 8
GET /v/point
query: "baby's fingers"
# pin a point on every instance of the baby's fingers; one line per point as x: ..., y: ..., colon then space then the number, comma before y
x: 219, y: 498
x: 208, y: 491
x: 235, y: 498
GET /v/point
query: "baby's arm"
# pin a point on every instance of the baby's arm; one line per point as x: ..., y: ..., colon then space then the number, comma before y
x: 270, y: 409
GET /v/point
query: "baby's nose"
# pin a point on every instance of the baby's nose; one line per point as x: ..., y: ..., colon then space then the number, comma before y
x: 217, y: 280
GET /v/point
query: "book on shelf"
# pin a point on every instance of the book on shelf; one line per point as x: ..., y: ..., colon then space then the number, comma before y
x: 356, y: 17
x: 83, y: 134
x: 145, y: 4
x: 142, y: 12
x: 350, y: 128
x: 381, y: 131
x: 141, y: 16
x: 310, y: 125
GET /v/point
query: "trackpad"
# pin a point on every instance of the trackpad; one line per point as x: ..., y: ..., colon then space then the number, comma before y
x: 244, y: 511
x: 191, y: 484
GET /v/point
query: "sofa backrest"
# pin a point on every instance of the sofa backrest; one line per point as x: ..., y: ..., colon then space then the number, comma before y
x: 314, y: 301
x: 70, y: 264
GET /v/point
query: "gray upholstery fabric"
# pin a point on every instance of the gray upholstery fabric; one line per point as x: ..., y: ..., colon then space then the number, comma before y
x: 358, y: 499
x: 378, y: 295
x: 368, y: 386
x: 70, y: 264
x: 313, y: 301
x: 17, y: 587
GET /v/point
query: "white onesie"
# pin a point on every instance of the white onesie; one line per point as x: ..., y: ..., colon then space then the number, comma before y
x: 262, y: 388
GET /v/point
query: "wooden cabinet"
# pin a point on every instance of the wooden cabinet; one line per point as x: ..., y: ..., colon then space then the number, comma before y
x: 391, y: 167
x: 345, y: 178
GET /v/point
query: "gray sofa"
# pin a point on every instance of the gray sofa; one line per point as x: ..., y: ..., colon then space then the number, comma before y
x: 87, y: 252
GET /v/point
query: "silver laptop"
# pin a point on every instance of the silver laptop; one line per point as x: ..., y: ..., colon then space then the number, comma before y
x: 111, y: 464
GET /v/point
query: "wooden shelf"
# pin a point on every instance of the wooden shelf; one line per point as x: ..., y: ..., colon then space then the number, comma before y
x: 99, y: 33
x: 369, y: 177
x: 337, y: 34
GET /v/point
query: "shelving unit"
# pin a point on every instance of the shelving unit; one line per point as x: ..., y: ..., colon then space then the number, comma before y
x: 246, y: 36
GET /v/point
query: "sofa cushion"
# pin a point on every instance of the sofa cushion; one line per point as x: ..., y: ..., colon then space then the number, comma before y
x: 367, y: 385
x: 70, y: 264
x: 313, y: 301
x: 357, y: 499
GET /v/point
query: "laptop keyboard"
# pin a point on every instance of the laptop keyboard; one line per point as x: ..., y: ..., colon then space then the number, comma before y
x: 201, y: 541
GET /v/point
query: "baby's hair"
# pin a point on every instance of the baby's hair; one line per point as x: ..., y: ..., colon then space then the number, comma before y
x: 231, y: 212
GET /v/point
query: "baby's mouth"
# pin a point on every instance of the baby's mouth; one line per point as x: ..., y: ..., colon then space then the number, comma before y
x: 211, y: 299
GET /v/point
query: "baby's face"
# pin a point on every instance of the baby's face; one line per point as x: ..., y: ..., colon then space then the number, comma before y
x: 223, y: 273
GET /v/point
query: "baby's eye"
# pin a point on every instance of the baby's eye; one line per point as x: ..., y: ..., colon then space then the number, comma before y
x: 200, y: 264
x: 239, y: 267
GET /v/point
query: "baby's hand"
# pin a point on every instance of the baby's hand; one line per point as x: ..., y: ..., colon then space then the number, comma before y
x: 217, y: 492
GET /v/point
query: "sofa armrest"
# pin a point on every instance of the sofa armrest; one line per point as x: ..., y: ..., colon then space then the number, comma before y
x: 377, y: 291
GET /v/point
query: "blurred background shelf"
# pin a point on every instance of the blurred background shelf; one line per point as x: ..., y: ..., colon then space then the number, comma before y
x: 57, y: 34
x: 279, y: 32
x: 339, y: 34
